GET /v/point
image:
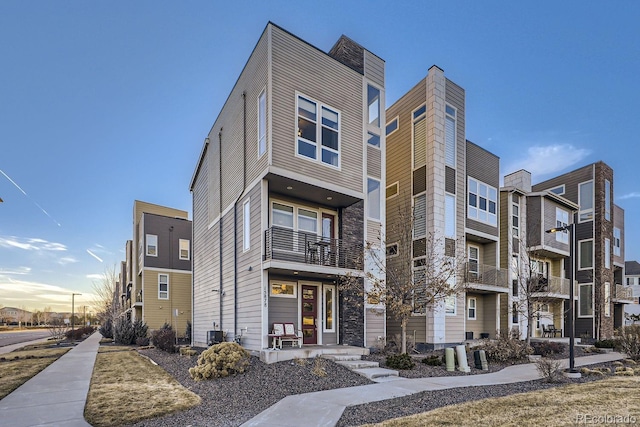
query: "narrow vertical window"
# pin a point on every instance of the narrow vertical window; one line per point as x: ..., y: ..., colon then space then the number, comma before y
x: 262, y: 123
x: 184, y: 249
x: 607, y: 200
x: 419, y: 216
x: 163, y: 286
x: 472, y: 308
x: 585, y: 254
x: 329, y: 308
x: 373, y: 102
x: 152, y: 245
x: 419, y: 137
x: 450, y: 216
x: 474, y: 263
x: 607, y: 253
x: 373, y: 198
x: 616, y: 241
x: 392, y: 126
x: 515, y: 220
x: 246, y: 229
x: 585, y: 200
x: 450, y: 137
x: 607, y: 299
x: 562, y: 220
x: 585, y: 300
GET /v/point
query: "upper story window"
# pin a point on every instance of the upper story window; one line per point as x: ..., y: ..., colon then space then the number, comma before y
x: 450, y: 215
x: 607, y: 200
x: 184, y: 249
x: 373, y: 102
x: 616, y: 241
x: 373, y: 139
x: 483, y: 202
x: 246, y: 225
x: 163, y: 286
x: 585, y: 300
x: 585, y: 254
x: 515, y: 219
x: 392, y: 126
x: 585, y: 200
x: 419, y: 137
x: 262, y: 123
x: 318, y: 132
x: 152, y: 245
x: 607, y: 253
x: 419, y: 216
x: 562, y: 220
x: 373, y: 198
x: 450, y: 137
x: 392, y: 190
x: 559, y: 190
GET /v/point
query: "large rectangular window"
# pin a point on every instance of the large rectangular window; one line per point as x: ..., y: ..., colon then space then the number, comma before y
x: 585, y: 300
x: 607, y: 253
x: 262, y: 123
x: 450, y: 137
x: 163, y: 286
x: 562, y: 220
x: 246, y: 225
x: 616, y: 241
x: 184, y: 249
x: 607, y: 200
x: 373, y: 198
x: 482, y: 202
x: 373, y: 102
x: 318, y: 141
x: 450, y: 215
x: 152, y: 245
x: 585, y: 254
x: 585, y: 200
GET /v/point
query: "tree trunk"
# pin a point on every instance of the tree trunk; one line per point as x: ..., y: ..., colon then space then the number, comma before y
x: 404, y: 335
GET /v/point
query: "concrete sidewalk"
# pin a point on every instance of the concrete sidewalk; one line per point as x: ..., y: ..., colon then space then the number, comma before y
x: 9, y: 348
x: 57, y: 395
x: 324, y: 408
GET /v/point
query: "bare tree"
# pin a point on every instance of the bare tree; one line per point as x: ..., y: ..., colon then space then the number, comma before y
x: 106, y: 302
x: 46, y: 314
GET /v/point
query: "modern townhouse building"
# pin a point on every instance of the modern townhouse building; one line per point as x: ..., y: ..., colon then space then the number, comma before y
x: 157, y: 269
x: 451, y: 186
x: 599, y: 239
x: 632, y: 281
x: 535, y: 258
x: 286, y: 192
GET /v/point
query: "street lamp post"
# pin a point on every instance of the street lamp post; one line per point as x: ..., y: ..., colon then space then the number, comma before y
x: 72, y: 311
x: 572, y: 329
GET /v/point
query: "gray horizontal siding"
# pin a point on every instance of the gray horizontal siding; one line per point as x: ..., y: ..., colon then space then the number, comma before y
x: 374, y: 68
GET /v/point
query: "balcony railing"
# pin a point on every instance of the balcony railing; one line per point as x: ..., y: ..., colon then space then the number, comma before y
x: 623, y: 293
x: 550, y: 285
x: 284, y: 244
x: 480, y: 274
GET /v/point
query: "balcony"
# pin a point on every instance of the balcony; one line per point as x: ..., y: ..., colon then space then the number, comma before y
x: 283, y: 244
x: 486, y: 278
x: 623, y: 294
x: 138, y: 302
x: 551, y: 286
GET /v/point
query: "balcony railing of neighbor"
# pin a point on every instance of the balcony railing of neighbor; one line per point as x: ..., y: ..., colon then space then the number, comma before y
x: 482, y: 274
x: 624, y: 293
x: 284, y: 244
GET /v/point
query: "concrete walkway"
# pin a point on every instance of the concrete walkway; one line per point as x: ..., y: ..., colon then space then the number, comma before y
x: 324, y: 408
x: 9, y: 348
x: 56, y: 396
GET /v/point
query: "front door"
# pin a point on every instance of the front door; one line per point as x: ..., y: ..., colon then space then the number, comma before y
x: 309, y: 314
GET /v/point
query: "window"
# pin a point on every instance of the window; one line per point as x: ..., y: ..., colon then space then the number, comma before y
x: 585, y: 297
x: 483, y: 202
x: 184, y: 249
x: 607, y: 253
x: 419, y: 112
x: 419, y: 137
x: 559, y: 190
x: 310, y: 132
x: 392, y: 126
x: 607, y: 200
x: 246, y: 225
x: 471, y: 309
x: 282, y: 215
x: 474, y: 262
x: 450, y: 137
x: 616, y: 241
x: 607, y: 299
x: 307, y: 221
x: 283, y: 289
x: 419, y: 299
x: 585, y: 254
x: 329, y: 302
x: 392, y: 190
x: 152, y: 245
x: 585, y: 200
x: 392, y: 250
x: 373, y: 101
x: 515, y: 219
x: 373, y: 139
x: 163, y: 286
x: 419, y: 216
x: 515, y: 317
x: 562, y: 220
x: 262, y: 123
x: 373, y: 198
x: 543, y: 308
x: 450, y: 215
x: 450, y: 305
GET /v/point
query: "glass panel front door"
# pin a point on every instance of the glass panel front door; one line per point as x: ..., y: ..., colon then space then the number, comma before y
x: 309, y: 314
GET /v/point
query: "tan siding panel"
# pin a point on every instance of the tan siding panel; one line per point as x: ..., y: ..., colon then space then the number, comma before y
x: 157, y: 312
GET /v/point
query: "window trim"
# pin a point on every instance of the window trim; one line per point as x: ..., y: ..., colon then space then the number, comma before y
x: 453, y: 297
x: 334, y: 291
x: 588, y: 211
x: 391, y: 245
x: 262, y: 140
x: 413, y: 211
x: 561, y: 187
x: 397, y: 186
x: 180, y: 241
x: 294, y: 286
x: 617, y: 249
x: 562, y: 236
x: 395, y: 120
x: 607, y: 299
x: 380, y: 107
x: 607, y: 253
x: 453, y: 117
x: 319, y: 126
x: 580, y: 267
x: 146, y: 245
x: 160, y: 283
x: 477, y: 208
x: 580, y: 314
x: 372, y: 133
x: 295, y: 207
x: 474, y: 308
x: 607, y: 200
x: 369, y: 199
x: 450, y: 216
x: 246, y: 225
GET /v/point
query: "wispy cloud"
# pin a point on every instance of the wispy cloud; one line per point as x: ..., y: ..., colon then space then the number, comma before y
x: 634, y: 195
x: 29, y: 197
x: 30, y: 244
x: 20, y: 271
x: 94, y: 276
x: 547, y: 159
x: 94, y: 255
x: 67, y: 260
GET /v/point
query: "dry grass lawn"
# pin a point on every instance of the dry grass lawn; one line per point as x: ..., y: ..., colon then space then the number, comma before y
x: 19, y: 366
x: 127, y: 388
x: 561, y: 406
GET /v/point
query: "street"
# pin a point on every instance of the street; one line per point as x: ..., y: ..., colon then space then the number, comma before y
x: 23, y: 335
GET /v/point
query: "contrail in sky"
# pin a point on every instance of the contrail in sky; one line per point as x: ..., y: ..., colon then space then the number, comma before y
x: 28, y: 197
x: 94, y: 255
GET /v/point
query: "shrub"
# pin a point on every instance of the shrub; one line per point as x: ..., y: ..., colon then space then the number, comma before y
x: 140, y: 329
x: 432, y: 361
x: 549, y: 369
x: 545, y: 348
x: 629, y: 341
x: 506, y: 349
x: 123, y: 331
x: 106, y: 329
x: 610, y: 343
x: 73, y: 334
x: 142, y: 342
x: 319, y: 367
x: 220, y: 360
x: 164, y: 338
x: 400, y: 361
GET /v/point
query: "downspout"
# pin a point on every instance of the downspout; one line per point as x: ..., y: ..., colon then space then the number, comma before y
x: 220, y: 227
x: 235, y: 213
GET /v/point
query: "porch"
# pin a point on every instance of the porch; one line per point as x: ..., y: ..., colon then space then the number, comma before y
x: 487, y: 278
x: 270, y: 355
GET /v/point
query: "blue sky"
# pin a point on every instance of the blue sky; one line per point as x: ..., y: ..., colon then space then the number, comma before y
x: 102, y: 103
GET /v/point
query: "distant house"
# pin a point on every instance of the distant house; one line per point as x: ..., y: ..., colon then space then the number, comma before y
x: 15, y: 316
x: 155, y: 278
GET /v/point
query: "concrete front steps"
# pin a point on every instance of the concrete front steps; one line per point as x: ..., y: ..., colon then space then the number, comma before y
x: 370, y: 370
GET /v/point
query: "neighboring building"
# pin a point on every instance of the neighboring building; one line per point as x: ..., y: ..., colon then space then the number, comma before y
x: 599, y: 234
x: 534, y: 258
x: 156, y: 276
x: 13, y: 315
x: 286, y: 192
x: 632, y: 281
x: 451, y: 185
